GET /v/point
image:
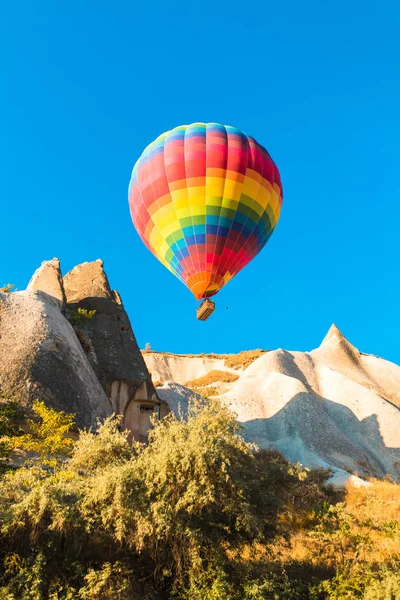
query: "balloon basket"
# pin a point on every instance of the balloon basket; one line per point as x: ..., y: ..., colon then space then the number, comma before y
x: 205, y: 309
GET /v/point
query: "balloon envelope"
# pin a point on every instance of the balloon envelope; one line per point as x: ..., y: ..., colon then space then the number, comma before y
x: 205, y: 198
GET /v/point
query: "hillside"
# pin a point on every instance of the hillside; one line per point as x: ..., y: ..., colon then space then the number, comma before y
x: 332, y: 407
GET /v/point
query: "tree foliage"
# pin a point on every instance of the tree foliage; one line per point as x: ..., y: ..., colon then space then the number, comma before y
x: 46, y: 435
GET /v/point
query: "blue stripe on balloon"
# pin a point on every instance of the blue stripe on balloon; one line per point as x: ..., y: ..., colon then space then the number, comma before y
x: 188, y: 231
x: 196, y: 239
x: 195, y: 131
x: 178, y: 245
x: 194, y: 230
x: 236, y: 226
x: 215, y: 127
x: 155, y: 150
x: 224, y: 231
x: 212, y: 219
x: 174, y: 136
x: 184, y: 253
x: 225, y: 222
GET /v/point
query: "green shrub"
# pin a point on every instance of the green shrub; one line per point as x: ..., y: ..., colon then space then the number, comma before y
x: 378, y: 583
x: 78, y: 318
x: 47, y: 435
x: 385, y: 587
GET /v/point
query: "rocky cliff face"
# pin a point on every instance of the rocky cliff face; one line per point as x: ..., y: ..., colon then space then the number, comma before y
x: 108, y: 338
x: 333, y: 407
x: 48, y: 278
x: 90, y: 368
x: 41, y: 357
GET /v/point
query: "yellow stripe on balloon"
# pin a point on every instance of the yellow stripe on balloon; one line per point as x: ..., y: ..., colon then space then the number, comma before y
x: 251, y: 186
x: 163, y: 213
x: 264, y: 196
x: 173, y: 227
x: 275, y: 201
x: 233, y: 189
x: 230, y: 203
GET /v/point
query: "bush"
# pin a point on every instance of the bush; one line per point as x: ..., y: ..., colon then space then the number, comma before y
x: 182, y: 509
x: 386, y: 587
x: 46, y: 435
x: 197, y: 514
x: 79, y: 318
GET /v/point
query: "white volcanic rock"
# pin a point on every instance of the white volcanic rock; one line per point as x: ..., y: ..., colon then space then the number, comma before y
x: 177, y: 396
x: 48, y: 279
x: 333, y: 407
x: 180, y: 368
x: 41, y: 357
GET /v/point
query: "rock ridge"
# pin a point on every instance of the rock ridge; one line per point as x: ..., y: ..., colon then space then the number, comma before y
x: 333, y: 407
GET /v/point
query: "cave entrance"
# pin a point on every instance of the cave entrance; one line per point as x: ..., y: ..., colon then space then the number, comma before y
x: 146, y: 411
x: 137, y: 418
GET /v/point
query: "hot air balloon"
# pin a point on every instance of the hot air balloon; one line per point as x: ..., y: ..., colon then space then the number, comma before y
x: 205, y: 198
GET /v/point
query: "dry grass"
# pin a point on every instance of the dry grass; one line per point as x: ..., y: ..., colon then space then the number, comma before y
x: 243, y: 359
x: 212, y: 356
x: 213, y: 376
x: 379, y: 502
x: 374, y: 511
x: 203, y: 385
x: 209, y: 391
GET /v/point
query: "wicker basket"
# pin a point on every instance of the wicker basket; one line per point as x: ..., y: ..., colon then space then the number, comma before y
x: 205, y: 309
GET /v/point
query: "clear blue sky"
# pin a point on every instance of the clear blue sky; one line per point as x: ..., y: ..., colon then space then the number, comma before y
x: 87, y: 85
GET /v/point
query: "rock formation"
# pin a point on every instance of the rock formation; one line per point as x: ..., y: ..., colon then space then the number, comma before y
x: 48, y: 278
x: 333, y: 407
x: 110, y: 342
x: 180, y: 368
x: 90, y: 368
x: 41, y: 357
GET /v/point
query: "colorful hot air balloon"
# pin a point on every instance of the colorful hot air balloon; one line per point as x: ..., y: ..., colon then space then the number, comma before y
x: 205, y: 199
